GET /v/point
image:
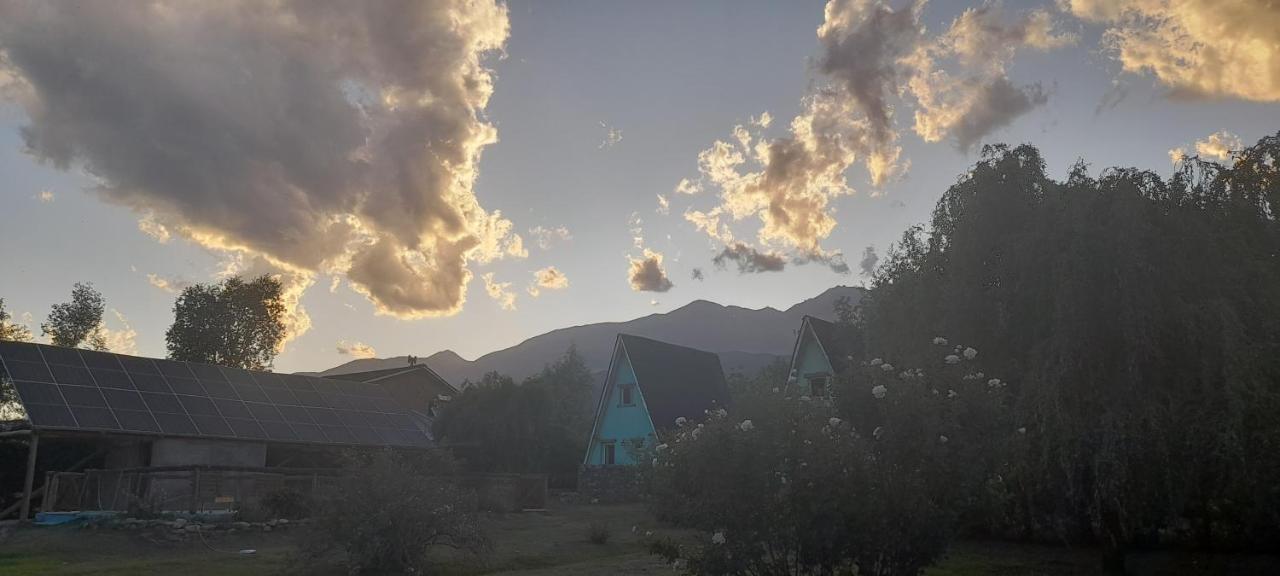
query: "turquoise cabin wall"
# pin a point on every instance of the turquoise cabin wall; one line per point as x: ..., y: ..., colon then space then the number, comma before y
x: 621, y: 424
x: 810, y: 360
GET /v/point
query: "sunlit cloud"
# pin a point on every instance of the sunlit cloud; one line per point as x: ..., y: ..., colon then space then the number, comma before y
x: 1217, y: 147
x: 872, y: 56
x: 500, y: 291
x: 664, y: 205
x: 546, y: 237
x: 355, y: 152
x: 612, y: 136
x: 119, y: 336
x: 1196, y: 48
x: 549, y: 278
x: 170, y: 285
x: 646, y: 274
x: 45, y: 196
x: 356, y: 349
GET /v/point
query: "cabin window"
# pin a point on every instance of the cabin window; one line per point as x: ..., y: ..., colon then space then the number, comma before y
x: 628, y: 398
x: 818, y: 386
x: 608, y: 453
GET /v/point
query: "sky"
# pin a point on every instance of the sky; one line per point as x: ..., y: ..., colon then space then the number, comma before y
x: 465, y: 174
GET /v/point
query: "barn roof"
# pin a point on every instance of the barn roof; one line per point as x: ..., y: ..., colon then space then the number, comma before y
x: 675, y: 380
x: 67, y: 389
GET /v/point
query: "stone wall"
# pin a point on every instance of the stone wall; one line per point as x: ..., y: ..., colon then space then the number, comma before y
x: 611, y: 484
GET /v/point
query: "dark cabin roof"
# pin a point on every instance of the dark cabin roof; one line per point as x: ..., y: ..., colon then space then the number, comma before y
x: 417, y: 386
x: 837, y: 350
x: 675, y: 380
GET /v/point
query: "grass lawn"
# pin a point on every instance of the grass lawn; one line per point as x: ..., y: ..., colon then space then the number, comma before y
x: 536, y: 543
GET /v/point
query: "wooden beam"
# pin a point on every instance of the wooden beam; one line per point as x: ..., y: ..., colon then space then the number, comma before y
x: 32, y: 448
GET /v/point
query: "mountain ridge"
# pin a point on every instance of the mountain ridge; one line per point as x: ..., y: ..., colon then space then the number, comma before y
x: 746, y: 339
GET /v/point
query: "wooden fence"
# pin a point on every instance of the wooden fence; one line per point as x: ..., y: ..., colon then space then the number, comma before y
x: 196, y: 489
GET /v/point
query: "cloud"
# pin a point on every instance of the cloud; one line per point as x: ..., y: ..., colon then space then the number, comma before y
x: 687, y: 186
x: 123, y: 338
x: 872, y: 56
x: 322, y: 137
x: 545, y: 237
x: 750, y: 260
x: 1217, y: 147
x: 45, y: 196
x: 549, y: 278
x: 653, y: 302
x: 978, y: 98
x: 612, y: 136
x: 356, y: 349
x: 499, y: 291
x: 664, y: 205
x: 696, y: 274
x: 1193, y: 47
x: 869, y: 261
x: 170, y: 285
x: 647, y: 274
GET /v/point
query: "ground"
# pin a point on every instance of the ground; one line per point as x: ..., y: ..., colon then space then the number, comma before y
x: 528, y: 544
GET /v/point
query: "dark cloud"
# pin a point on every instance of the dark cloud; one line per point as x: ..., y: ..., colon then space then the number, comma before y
x: 323, y: 136
x: 647, y: 274
x: 869, y: 261
x: 696, y: 274
x: 750, y: 260
x: 997, y: 104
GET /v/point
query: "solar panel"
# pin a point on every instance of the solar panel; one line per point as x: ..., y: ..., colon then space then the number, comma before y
x: 71, y: 389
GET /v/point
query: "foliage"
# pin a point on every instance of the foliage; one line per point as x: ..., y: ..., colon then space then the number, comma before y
x: 10, y: 330
x: 598, y: 533
x: 390, y: 511
x: 787, y: 486
x: 538, y: 426
x: 72, y: 323
x: 1138, y: 321
x: 235, y: 323
x: 741, y: 385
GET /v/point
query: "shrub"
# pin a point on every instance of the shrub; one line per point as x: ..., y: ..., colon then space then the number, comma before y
x: 598, y: 533
x: 874, y: 482
x: 389, y: 513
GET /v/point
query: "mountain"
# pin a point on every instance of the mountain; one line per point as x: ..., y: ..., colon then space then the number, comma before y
x: 746, y: 339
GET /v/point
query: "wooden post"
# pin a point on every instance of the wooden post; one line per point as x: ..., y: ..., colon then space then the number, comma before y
x: 46, y: 501
x: 32, y: 447
x: 195, y: 488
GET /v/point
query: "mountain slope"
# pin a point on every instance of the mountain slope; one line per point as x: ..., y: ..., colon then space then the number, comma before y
x: 746, y: 339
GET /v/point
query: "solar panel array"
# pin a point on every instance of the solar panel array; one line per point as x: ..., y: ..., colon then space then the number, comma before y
x: 71, y: 389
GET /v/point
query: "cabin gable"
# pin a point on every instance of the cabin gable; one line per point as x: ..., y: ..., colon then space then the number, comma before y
x: 622, y: 418
x: 811, y: 365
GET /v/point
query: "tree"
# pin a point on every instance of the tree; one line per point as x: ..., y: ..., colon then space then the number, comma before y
x: 71, y: 323
x: 1138, y: 321
x: 235, y: 323
x: 537, y: 426
x: 10, y: 330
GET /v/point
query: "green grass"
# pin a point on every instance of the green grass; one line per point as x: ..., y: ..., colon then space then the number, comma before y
x: 530, y: 544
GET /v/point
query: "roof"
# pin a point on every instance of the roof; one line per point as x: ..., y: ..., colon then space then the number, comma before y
x: 836, y: 349
x: 675, y: 380
x: 375, y: 375
x: 66, y: 389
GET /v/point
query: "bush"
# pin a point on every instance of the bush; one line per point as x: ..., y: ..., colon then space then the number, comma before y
x: 875, y: 482
x: 391, y: 511
x: 598, y: 533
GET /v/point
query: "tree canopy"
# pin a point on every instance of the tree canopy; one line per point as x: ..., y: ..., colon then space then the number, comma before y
x: 234, y: 323
x: 10, y: 330
x: 73, y: 323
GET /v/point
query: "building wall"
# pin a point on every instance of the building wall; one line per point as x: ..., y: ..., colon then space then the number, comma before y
x: 621, y: 424
x: 190, y: 451
x: 810, y: 360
